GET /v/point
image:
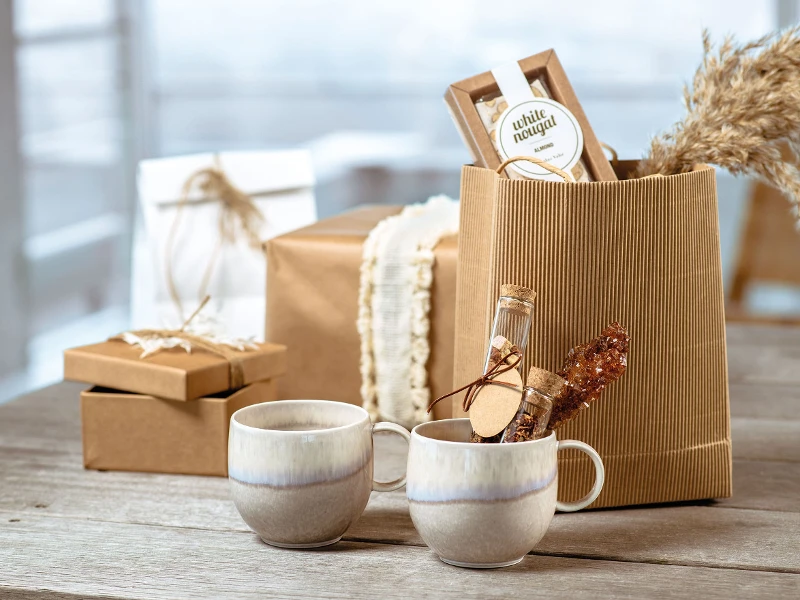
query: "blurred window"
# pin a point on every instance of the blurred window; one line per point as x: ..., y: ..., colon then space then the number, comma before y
x: 72, y: 88
x: 240, y: 72
x: 102, y: 83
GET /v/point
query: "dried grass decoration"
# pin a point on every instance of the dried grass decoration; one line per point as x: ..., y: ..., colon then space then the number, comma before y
x: 742, y: 110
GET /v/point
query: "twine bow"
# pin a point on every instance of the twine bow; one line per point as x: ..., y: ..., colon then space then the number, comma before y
x: 487, y: 378
x: 238, y: 212
x: 196, y: 341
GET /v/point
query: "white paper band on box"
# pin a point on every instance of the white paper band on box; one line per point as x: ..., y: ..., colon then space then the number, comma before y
x: 512, y: 83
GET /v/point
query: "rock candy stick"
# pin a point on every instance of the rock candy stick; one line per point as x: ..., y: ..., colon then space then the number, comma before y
x: 588, y: 369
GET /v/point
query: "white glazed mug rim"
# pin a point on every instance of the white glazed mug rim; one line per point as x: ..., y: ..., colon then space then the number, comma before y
x: 322, y: 404
x: 472, y: 445
x: 484, y: 450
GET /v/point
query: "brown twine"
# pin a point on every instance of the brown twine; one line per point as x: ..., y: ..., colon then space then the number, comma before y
x: 485, y: 379
x: 238, y: 212
x: 537, y: 161
x: 199, y: 342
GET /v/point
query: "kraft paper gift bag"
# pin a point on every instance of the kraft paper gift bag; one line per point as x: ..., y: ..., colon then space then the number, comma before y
x: 644, y: 252
x: 193, y: 254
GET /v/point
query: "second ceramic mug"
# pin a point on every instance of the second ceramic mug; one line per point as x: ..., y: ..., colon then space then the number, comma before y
x: 485, y: 505
x: 301, y: 470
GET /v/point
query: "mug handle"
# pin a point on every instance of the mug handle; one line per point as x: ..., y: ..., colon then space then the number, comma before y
x: 600, y: 476
x: 390, y: 486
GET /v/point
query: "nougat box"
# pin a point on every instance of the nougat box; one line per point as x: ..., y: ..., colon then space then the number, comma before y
x: 312, y: 307
x: 125, y: 431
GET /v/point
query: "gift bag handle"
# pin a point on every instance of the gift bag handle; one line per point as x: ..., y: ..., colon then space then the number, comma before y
x: 614, y: 160
x: 537, y: 161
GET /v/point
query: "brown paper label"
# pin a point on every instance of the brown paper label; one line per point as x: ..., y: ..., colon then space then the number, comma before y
x: 495, y: 405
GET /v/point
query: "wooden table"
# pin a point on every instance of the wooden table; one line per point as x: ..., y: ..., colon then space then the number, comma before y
x: 70, y: 533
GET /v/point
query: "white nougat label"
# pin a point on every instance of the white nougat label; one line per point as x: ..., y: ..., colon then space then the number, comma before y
x: 541, y: 128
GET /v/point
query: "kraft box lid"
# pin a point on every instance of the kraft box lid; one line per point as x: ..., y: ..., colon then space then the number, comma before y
x: 173, y: 374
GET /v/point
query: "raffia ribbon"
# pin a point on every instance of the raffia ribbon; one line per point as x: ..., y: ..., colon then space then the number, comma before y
x: 199, y: 342
x: 237, y: 213
x: 487, y: 378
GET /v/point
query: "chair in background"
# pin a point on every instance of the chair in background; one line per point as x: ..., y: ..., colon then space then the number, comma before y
x: 769, y: 252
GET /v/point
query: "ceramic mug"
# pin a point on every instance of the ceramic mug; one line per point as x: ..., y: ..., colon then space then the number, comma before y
x: 485, y: 505
x: 300, y: 471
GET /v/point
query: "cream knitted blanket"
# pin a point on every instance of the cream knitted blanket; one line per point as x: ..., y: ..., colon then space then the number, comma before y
x: 394, y: 306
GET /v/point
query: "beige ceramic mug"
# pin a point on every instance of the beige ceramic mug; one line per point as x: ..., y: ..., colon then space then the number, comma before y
x: 485, y: 505
x: 301, y: 470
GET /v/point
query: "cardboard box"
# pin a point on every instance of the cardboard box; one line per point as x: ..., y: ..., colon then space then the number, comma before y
x: 173, y: 374
x: 131, y: 432
x: 642, y: 252
x: 462, y: 96
x: 312, y: 307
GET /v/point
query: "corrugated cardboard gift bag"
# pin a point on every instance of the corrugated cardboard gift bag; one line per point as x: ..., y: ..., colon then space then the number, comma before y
x: 645, y: 252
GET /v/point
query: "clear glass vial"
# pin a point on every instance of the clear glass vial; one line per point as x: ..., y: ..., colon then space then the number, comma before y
x: 512, y: 319
x: 533, y: 416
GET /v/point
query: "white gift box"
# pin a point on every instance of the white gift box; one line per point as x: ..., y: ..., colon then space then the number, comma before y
x: 281, y: 186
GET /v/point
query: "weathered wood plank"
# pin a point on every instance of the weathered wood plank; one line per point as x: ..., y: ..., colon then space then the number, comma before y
x: 772, y: 486
x: 757, y: 401
x: 92, y: 559
x: 688, y: 535
x: 40, y: 594
x: 63, y: 488
x: 43, y: 482
x: 766, y: 440
x: 45, y: 419
x: 764, y: 355
x: 684, y: 535
x: 681, y: 535
x: 41, y: 478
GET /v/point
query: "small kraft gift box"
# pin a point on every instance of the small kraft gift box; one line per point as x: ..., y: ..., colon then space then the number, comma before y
x: 336, y: 309
x: 167, y: 412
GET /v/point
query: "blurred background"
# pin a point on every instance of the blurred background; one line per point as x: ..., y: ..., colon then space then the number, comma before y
x: 90, y: 87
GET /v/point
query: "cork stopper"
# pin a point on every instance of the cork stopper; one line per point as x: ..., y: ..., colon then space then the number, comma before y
x: 544, y: 381
x: 518, y: 292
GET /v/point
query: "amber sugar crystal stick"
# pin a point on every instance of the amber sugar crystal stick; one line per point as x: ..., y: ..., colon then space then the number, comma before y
x: 588, y: 369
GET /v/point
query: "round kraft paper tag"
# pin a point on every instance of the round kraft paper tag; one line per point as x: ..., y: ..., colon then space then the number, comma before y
x: 542, y: 128
x: 495, y: 405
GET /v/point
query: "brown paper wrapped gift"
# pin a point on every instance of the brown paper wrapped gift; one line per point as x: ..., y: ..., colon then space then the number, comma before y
x: 173, y: 374
x: 133, y: 432
x: 312, y: 306
x: 643, y: 252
